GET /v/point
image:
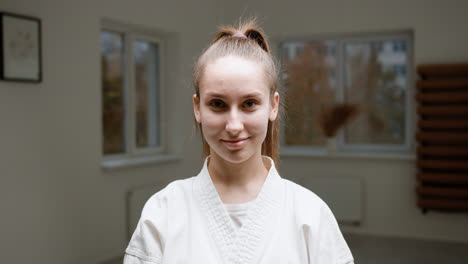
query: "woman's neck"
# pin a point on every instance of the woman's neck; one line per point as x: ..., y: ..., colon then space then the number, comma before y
x: 237, y: 182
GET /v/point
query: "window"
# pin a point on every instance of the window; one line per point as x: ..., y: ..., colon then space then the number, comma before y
x: 132, y: 70
x: 370, y: 73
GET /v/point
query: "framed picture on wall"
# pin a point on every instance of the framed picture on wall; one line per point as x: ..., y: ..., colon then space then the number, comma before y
x: 20, y: 48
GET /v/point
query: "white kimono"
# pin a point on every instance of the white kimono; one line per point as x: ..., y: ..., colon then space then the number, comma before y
x: 186, y: 222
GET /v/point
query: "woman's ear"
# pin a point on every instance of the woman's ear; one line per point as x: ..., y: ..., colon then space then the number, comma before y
x: 274, y: 107
x: 196, y: 107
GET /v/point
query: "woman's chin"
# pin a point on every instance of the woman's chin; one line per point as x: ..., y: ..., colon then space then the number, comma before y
x: 235, y: 157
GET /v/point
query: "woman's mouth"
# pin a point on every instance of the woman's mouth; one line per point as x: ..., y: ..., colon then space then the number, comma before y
x: 235, y: 143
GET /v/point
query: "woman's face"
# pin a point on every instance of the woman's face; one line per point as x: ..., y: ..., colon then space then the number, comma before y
x: 234, y: 108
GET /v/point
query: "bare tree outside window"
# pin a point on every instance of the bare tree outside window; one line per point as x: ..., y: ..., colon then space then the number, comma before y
x: 310, y: 83
x: 146, y: 56
x: 113, y: 111
x: 376, y: 80
x: 355, y: 85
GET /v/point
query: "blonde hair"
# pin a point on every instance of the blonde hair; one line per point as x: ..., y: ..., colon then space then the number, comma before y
x: 254, y: 46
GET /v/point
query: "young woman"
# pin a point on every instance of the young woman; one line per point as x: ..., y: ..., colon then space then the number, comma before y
x: 237, y: 209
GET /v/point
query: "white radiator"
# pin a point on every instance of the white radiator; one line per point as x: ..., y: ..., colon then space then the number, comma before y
x: 343, y: 196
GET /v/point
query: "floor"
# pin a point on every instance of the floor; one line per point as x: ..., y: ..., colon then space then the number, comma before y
x: 385, y: 250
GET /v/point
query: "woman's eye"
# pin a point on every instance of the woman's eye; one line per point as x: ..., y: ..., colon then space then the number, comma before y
x: 250, y: 104
x: 217, y: 104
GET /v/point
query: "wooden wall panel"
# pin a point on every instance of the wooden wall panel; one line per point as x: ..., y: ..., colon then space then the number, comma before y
x: 442, y: 136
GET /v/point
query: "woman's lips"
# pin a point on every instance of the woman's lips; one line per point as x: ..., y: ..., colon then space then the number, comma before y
x: 237, y: 143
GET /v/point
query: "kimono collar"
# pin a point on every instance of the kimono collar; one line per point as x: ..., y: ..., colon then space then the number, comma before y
x: 243, y: 245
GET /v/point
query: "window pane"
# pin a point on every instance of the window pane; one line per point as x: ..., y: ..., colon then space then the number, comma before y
x: 146, y: 55
x: 310, y: 80
x: 376, y: 80
x: 112, y: 92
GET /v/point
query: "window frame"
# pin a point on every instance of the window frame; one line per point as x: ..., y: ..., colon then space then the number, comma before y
x: 338, y: 144
x: 130, y: 34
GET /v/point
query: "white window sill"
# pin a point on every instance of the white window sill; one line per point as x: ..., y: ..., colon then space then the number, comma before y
x: 120, y: 163
x: 289, y: 154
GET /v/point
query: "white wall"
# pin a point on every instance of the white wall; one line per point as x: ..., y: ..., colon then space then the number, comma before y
x: 56, y: 204
x: 440, y: 35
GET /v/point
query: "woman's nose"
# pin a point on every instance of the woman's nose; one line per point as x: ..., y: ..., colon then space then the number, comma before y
x: 234, y: 123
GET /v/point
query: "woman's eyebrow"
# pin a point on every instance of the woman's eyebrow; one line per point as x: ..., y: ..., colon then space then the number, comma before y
x: 222, y: 96
x: 254, y: 94
x: 216, y: 95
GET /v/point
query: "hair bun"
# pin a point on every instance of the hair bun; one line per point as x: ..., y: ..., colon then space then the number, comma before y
x: 249, y: 29
x: 258, y: 36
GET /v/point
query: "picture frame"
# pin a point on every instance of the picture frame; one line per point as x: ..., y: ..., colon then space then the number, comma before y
x: 20, y: 48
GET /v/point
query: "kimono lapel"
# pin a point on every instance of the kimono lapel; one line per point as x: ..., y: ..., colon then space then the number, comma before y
x: 246, y: 244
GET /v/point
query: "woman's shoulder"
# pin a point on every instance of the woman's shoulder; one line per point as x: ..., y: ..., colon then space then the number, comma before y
x: 319, y: 225
x: 306, y: 205
x: 173, y: 192
x: 300, y: 193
